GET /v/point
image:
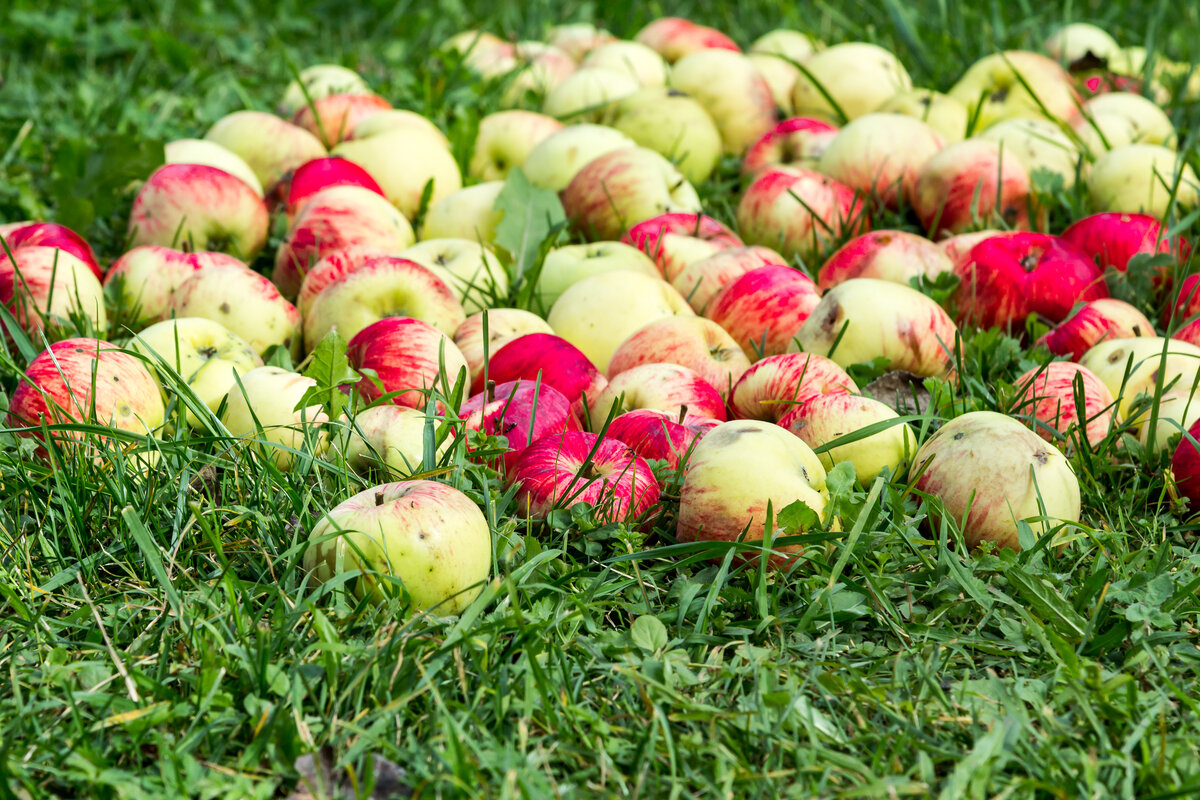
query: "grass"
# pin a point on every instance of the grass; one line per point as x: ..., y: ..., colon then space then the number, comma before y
x: 158, y: 637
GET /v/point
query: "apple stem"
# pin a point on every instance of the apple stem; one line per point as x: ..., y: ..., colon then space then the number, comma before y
x: 491, y: 391
x: 683, y: 409
x: 379, y: 498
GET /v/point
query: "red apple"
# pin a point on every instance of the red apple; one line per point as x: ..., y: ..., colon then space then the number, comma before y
x: 503, y: 325
x: 703, y: 280
x: 670, y: 388
x: 520, y: 411
x: 776, y: 384
x: 243, y: 301
x: 1049, y: 395
x: 763, y: 309
x: 798, y: 212
x: 578, y: 467
x: 956, y: 247
x: 1004, y: 279
x: 332, y: 118
x: 970, y: 183
x: 677, y: 240
x: 331, y: 267
x: 796, y: 142
x: 697, y: 343
x: 1093, y: 322
x: 675, y: 37
x: 890, y: 255
x: 621, y: 188
x: 149, y: 275
x: 86, y: 381
x: 1185, y: 465
x: 1187, y: 301
x: 407, y: 356
x: 656, y: 434
x: 45, y: 287
x: 322, y: 173
x: 551, y: 358
x: 51, y: 234
x: 1111, y: 239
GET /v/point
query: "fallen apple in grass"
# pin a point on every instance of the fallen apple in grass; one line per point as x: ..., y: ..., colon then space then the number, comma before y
x: 558, y: 158
x: 736, y: 473
x: 881, y: 155
x: 675, y: 37
x: 202, y: 151
x: 697, y: 343
x: 799, y: 213
x: 1016, y: 84
x: 577, y: 467
x: 969, y: 184
x: 331, y: 267
x: 272, y: 147
x: 144, y: 280
x: 829, y: 417
x: 640, y: 62
x: 1143, y: 178
x: 551, y: 360
x: 243, y: 301
x: 504, y: 141
x: 796, y: 142
x: 989, y: 472
x: 672, y: 124
x: 865, y: 318
x: 405, y: 358
x: 1113, y: 239
x: 776, y: 385
x: 656, y: 435
x: 1094, y: 322
x: 565, y: 266
x: 763, y: 309
x: 468, y: 214
x: 848, y: 80
x: 388, y: 437
x: 200, y: 208
x: 1050, y: 397
x: 584, y: 96
x: 522, y: 411
x: 48, y: 290
x: 404, y: 161
x: 701, y: 281
x: 945, y: 114
x: 320, y: 174
x: 89, y: 382
x: 889, y: 255
x: 426, y: 539
x: 317, y: 81
x: 471, y: 271
x: 1040, y: 145
x: 677, y: 240
x: 485, y: 332
x: 659, y: 386
x: 733, y: 92
x: 262, y: 409
x: 50, y: 234
x: 332, y: 118
x: 1139, y: 366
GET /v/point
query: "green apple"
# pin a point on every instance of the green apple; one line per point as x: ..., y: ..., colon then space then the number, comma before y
x: 672, y: 124
x: 403, y: 161
x: 586, y: 93
x: 565, y: 266
x: 397, y: 119
x: 270, y: 146
x: 633, y: 58
x: 390, y: 436
x: 504, y: 141
x: 1039, y: 145
x: 242, y: 300
x: 943, y: 113
x: 262, y: 408
x: 859, y: 77
x: 317, y: 81
x: 1132, y: 367
x: 732, y: 91
x: 1141, y: 178
x: 998, y: 87
x: 468, y: 213
x: 471, y: 271
x: 828, y: 417
x: 1075, y: 41
x: 559, y: 157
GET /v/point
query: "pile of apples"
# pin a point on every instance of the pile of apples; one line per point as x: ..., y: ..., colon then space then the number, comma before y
x: 671, y: 346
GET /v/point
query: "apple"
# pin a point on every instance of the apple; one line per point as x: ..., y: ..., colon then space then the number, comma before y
x: 998, y: 87
x: 1144, y: 120
x: 795, y: 142
x: 331, y: 267
x: 500, y: 326
x: 522, y: 412
x: 262, y: 409
x: 331, y: 118
x: 1190, y: 332
x: 945, y: 114
x: 145, y: 278
x: 857, y: 76
x: 732, y: 91
x: 550, y: 359
x: 958, y: 246
x: 1137, y: 366
x: 763, y: 309
x: 388, y: 436
x: 881, y: 155
x: 1094, y: 322
x: 776, y: 385
x: 468, y: 214
x: 427, y: 537
x: 1039, y: 145
x: 335, y: 219
x: 780, y: 73
x: 737, y: 474
x: 792, y: 45
x: 203, y: 151
x: 319, y: 174
x: 988, y: 472
x: 578, y: 467
x: 317, y: 81
x: 51, y: 234
x: 47, y: 290
x: 242, y: 300
x: 1187, y: 301
x: 206, y: 354
x: 468, y: 268
x: 676, y: 240
x: 199, y: 207
x: 1050, y: 396
x: 637, y: 60
x: 672, y: 124
x: 89, y: 382
x: 1004, y: 279
x: 578, y: 39
x: 403, y: 161
x: 798, y: 212
x: 701, y: 281
x: 558, y: 158
x: 272, y: 147
x: 697, y: 343
x: 1113, y: 239
x: 504, y: 141
x: 670, y: 388
x: 565, y: 266
x: 1142, y: 178
x: 969, y: 183
x: 584, y: 95
x: 381, y: 288
x: 1185, y: 464
x: 889, y: 255
x: 541, y: 68
x: 483, y: 53
x: 407, y: 357
x: 776, y: 54
x: 675, y: 37
x: 597, y: 313
x: 880, y: 319
x: 828, y: 417
x: 1078, y: 40
x: 656, y: 435
x: 624, y: 187
x: 393, y: 118
x: 1177, y: 412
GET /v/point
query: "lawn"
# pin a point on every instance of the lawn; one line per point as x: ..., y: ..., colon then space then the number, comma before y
x: 159, y: 636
